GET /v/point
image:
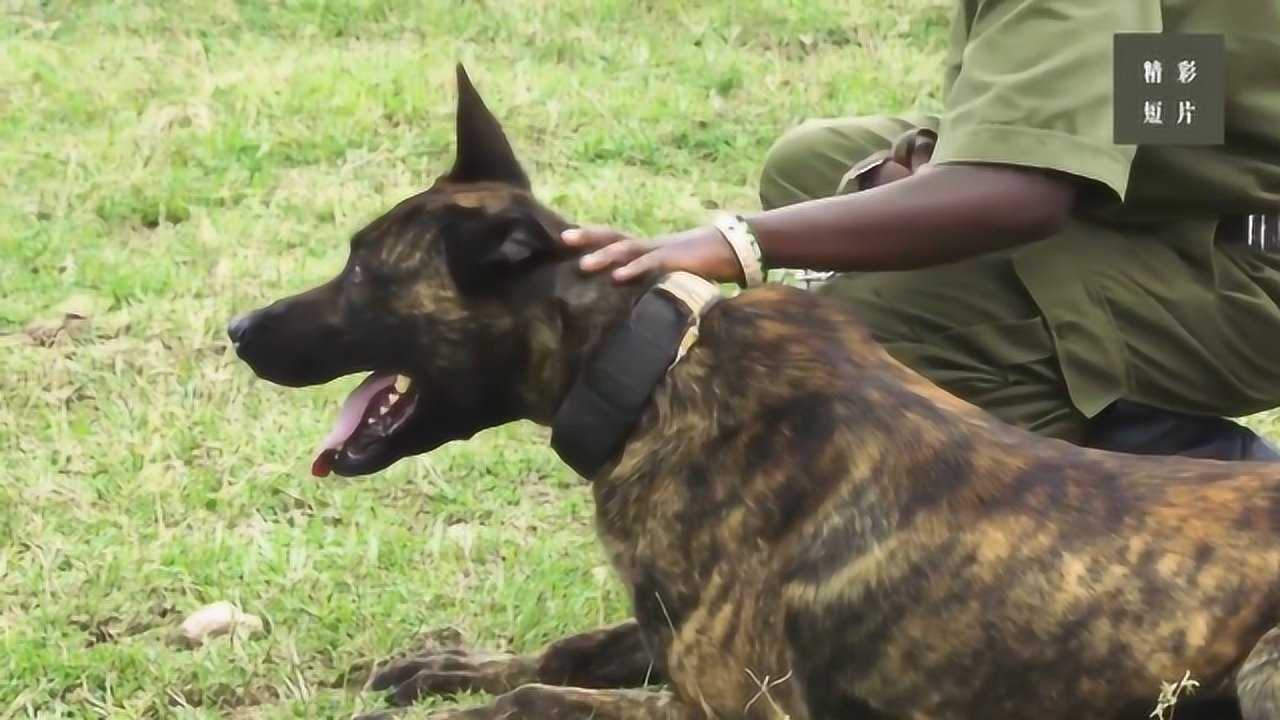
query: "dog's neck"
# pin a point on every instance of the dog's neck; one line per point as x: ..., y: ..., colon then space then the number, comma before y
x: 565, y: 331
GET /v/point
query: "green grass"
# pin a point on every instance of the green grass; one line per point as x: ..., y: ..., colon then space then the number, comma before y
x: 167, y: 164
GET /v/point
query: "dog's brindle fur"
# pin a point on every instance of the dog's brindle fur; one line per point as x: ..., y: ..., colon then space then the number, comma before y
x: 808, y: 529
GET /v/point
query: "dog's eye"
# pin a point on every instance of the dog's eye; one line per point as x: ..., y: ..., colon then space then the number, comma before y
x: 357, y: 274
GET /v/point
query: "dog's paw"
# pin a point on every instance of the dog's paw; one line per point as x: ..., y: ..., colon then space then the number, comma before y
x: 448, y: 671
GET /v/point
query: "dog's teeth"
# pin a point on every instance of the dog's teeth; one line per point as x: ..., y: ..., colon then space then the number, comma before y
x: 402, y: 383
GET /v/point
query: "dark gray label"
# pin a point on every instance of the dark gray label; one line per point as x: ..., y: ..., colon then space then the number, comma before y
x: 1170, y: 89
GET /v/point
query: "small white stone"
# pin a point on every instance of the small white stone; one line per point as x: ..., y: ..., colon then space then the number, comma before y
x: 220, y: 618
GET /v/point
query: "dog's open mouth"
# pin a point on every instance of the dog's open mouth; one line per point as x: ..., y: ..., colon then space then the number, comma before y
x: 372, y: 414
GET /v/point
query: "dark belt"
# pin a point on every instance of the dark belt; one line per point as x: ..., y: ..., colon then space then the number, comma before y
x: 1260, y: 231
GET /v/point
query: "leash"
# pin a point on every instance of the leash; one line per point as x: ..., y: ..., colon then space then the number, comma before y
x: 615, y: 384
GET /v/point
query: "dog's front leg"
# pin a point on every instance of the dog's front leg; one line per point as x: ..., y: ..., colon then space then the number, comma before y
x: 552, y: 702
x: 611, y: 657
x: 555, y: 702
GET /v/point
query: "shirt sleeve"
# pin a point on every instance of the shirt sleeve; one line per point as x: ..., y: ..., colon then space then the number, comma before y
x: 1034, y: 86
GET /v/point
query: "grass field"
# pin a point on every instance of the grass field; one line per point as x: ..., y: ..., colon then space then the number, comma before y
x: 167, y: 164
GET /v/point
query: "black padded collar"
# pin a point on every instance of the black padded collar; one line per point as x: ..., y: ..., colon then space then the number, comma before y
x: 605, y: 402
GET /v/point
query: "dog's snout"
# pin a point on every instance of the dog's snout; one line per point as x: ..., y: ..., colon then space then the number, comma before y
x: 239, y: 326
x: 302, y: 339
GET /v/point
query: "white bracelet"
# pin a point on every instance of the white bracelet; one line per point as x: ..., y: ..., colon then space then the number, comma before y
x: 745, y: 246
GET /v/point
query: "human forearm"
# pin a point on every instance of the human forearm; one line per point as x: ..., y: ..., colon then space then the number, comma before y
x: 938, y: 215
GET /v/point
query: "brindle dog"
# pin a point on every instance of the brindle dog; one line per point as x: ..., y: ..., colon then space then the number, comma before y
x: 807, y: 528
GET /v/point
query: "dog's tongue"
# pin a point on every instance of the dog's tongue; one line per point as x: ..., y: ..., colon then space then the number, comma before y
x: 353, y: 410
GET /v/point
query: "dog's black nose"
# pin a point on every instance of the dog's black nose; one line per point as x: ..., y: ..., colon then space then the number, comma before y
x: 237, y: 327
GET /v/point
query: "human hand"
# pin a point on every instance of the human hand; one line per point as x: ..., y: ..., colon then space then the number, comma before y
x: 701, y: 251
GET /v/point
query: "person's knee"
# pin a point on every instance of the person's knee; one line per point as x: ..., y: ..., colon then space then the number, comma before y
x: 809, y: 160
x: 788, y: 166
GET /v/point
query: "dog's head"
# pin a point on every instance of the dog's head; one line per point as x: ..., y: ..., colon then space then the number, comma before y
x: 435, y: 301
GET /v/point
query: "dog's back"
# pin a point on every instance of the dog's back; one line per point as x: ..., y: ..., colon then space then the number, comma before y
x: 809, y: 508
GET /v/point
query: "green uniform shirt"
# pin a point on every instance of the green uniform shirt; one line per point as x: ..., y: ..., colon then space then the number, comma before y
x: 1139, y: 300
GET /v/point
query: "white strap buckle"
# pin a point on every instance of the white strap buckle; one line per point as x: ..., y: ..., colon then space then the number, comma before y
x: 811, y: 279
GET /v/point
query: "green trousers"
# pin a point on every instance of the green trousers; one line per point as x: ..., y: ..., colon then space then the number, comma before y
x: 1047, y: 336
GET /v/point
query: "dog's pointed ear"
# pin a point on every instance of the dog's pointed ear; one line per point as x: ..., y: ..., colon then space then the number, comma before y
x: 483, y: 152
x: 484, y: 251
